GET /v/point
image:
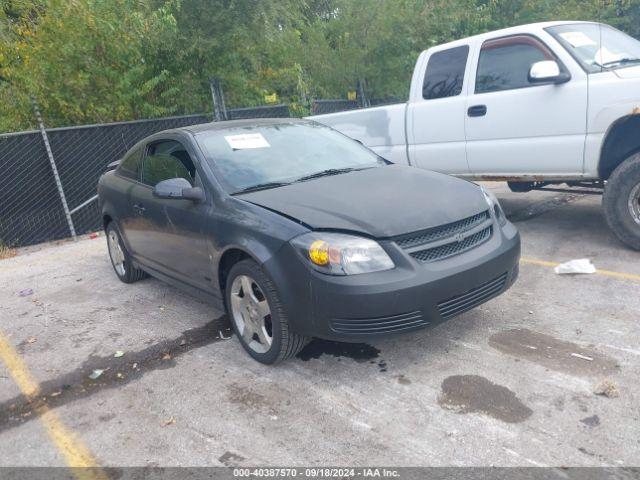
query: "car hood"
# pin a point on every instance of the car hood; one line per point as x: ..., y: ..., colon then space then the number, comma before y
x: 381, y: 202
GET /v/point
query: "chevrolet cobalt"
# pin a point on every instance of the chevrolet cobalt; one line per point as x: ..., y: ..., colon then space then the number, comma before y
x: 300, y: 232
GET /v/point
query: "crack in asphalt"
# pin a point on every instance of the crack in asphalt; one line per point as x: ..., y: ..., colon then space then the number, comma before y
x: 117, y: 372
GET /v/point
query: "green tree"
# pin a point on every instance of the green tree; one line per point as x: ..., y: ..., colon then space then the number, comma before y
x: 89, y: 61
x: 83, y: 61
x: 245, y: 43
x: 378, y: 41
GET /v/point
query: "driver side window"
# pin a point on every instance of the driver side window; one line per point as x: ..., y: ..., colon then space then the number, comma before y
x: 167, y: 159
x: 505, y: 62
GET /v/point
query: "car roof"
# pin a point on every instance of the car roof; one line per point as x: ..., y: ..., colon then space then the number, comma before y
x: 204, y: 128
x: 526, y: 28
x: 234, y: 124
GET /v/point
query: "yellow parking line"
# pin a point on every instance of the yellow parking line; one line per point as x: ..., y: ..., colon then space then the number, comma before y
x: 18, y: 370
x: 606, y: 273
x: 71, y: 448
x: 75, y: 453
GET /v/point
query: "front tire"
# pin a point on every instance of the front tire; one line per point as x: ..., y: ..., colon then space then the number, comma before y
x: 621, y: 201
x: 258, y: 316
x: 120, y: 258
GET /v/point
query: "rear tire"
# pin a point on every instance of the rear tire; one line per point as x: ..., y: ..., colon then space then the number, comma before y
x: 120, y: 258
x: 621, y: 201
x: 257, y: 315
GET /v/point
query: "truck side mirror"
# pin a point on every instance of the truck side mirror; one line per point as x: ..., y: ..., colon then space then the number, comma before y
x: 547, y: 71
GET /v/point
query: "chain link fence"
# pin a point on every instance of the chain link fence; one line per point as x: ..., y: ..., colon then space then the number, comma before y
x: 31, y: 201
x: 31, y: 209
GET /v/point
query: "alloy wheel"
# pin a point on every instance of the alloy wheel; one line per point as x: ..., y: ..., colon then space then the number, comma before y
x: 116, y: 253
x: 634, y: 203
x: 251, y: 314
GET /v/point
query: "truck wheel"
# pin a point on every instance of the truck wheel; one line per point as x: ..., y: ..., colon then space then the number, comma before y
x: 258, y: 316
x: 520, y: 187
x: 621, y: 201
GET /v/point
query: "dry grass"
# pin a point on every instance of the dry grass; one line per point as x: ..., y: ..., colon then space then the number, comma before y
x: 7, y: 252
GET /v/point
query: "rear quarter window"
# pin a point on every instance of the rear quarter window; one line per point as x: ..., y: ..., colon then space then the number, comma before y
x: 445, y: 73
x: 130, y: 165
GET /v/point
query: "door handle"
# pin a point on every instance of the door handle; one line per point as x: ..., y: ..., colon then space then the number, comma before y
x: 477, y: 111
x: 138, y: 208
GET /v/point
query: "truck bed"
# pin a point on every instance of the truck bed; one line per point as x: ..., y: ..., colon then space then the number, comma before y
x: 380, y: 128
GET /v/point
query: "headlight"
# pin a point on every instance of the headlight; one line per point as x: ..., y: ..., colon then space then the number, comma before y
x: 495, y: 205
x: 340, y: 254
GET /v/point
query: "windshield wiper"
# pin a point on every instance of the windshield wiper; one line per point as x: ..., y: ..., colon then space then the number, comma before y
x: 262, y: 186
x: 323, y: 173
x: 328, y: 172
x: 622, y: 61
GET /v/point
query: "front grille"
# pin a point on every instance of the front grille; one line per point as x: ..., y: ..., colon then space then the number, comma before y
x: 393, y: 323
x: 443, y: 231
x: 447, y: 240
x: 453, y: 248
x: 471, y: 299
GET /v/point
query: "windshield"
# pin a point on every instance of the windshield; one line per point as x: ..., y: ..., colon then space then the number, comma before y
x: 597, y: 46
x: 267, y: 156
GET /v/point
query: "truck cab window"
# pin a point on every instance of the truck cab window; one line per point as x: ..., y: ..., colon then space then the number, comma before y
x: 504, y: 63
x: 445, y: 73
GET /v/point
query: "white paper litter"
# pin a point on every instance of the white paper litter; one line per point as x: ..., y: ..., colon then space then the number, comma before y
x: 579, y: 265
x: 583, y: 357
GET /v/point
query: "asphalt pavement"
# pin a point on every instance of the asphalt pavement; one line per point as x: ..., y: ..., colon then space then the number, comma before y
x: 545, y: 375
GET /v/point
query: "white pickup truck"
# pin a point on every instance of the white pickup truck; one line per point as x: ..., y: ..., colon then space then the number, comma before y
x: 535, y: 105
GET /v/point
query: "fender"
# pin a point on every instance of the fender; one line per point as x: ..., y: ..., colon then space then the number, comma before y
x: 621, y: 141
x: 613, y: 101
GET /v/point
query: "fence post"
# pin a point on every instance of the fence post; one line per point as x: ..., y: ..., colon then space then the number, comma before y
x: 219, y: 108
x: 222, y: 102
x: 56, y: 176
x: 362, y: 97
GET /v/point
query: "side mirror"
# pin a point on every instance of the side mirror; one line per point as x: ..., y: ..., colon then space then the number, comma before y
x: 178, y: 188
x: 547, y: 71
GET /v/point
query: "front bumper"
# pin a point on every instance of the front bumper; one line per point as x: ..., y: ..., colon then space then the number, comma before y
x: 409, y: 297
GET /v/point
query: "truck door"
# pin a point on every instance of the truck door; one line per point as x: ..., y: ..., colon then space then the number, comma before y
x: 516, y: 127
x: 435, y: 114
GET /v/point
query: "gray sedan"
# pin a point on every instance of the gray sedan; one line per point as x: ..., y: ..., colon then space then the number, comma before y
x: 300, y: 232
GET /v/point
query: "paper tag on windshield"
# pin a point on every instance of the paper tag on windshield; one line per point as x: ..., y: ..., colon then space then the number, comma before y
x: 246, y: 140
x: 577, y: 39
x: 604, y: 56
